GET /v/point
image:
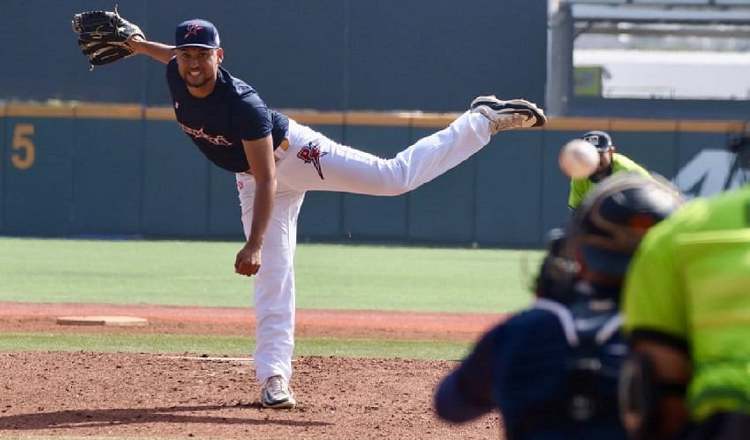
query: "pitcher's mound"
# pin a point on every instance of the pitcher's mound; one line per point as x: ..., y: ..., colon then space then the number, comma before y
x: 121, y: 321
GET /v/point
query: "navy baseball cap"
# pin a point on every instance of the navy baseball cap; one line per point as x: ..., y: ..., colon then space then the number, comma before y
x: 197, y: 33
x: 600, y: 139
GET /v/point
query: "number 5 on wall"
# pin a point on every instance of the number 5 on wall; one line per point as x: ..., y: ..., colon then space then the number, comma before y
x: 23, y: 157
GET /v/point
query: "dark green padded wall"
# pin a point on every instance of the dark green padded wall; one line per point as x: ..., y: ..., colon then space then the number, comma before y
x: 143, y: 177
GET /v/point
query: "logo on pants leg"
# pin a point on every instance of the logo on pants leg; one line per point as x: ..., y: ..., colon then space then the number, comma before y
x: 311, y: 154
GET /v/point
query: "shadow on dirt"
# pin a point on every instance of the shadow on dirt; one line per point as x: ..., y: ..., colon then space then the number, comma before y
x: 113, y: 417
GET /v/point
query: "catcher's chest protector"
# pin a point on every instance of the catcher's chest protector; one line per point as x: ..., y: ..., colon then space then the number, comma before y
x: 596, y: 352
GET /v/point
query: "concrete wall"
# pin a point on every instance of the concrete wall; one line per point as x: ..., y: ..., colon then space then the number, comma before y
x: 128, y: 170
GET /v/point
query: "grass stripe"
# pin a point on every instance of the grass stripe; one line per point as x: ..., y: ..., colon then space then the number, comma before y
x: 202, y: 274
x: 233, y: 346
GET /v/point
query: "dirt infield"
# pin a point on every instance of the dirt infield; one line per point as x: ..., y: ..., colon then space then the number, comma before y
x: 239, y: 321
x: 158, y: 396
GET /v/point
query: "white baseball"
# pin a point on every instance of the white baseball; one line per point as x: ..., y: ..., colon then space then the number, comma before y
x: 578, y: 159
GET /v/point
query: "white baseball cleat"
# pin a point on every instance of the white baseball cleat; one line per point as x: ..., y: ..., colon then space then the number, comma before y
x: 277, y: 394
x: 507, y: 115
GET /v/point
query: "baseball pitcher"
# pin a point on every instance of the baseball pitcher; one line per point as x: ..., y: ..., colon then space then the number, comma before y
x: 277, y: 160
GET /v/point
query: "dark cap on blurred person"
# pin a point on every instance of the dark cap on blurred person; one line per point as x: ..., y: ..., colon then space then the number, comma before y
x: 197, y: 33
x: 600, y: 139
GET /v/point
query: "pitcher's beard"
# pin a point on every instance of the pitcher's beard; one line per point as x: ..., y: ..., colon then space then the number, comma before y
x: 196, y: 85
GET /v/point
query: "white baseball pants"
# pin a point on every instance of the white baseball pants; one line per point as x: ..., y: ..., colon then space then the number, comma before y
x: 314, y: 162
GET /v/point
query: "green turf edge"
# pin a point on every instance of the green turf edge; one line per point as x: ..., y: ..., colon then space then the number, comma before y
x: 358, y: 277
x: 234, y: 346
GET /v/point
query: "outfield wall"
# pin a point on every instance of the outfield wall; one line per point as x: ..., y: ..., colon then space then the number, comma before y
x: 121, y: 170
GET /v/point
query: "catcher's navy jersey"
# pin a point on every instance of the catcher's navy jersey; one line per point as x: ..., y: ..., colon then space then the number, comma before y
x: 218, y: 123
x: 521, y: 367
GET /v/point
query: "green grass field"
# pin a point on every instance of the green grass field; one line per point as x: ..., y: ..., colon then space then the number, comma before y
x: 202, y: 274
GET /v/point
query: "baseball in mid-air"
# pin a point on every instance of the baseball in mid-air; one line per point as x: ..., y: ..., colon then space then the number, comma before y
x: 578, y: 159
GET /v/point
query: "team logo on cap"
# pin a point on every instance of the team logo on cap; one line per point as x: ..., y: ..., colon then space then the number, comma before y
x: 311, y: 154
x: 192, y: 29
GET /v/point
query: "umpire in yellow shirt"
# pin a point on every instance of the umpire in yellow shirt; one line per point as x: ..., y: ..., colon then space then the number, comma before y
x: 609, y: 163
x: 687, y: 316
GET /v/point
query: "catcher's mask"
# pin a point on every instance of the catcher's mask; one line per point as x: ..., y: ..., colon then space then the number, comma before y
x: 557, y: 272
x: 612, y: 220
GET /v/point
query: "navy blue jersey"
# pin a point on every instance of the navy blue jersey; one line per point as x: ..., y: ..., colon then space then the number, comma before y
x: 522, y: 368
x: 219, y: 123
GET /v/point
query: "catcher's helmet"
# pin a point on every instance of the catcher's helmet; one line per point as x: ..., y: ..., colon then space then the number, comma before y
x: 600, y: 139
x: 612, y: 220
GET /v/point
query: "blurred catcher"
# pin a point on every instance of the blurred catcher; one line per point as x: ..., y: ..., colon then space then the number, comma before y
x: 552, y: 369
x: 686, y: 307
